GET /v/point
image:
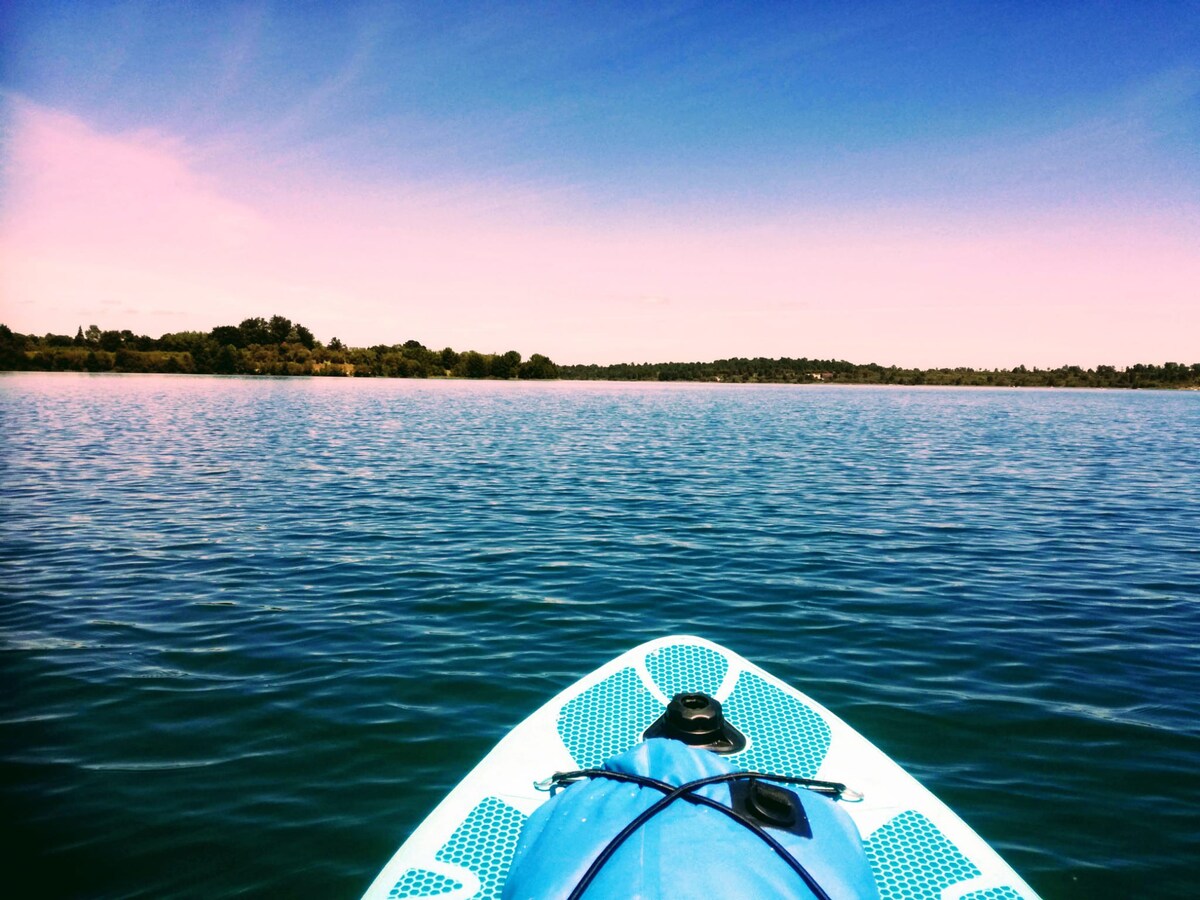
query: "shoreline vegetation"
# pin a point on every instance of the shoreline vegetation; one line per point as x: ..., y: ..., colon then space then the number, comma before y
x: 278, y: 346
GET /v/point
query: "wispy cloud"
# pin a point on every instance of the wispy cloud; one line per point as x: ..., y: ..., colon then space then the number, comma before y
x: 1117, y: 150
x: 298, y: 119
x: 235, y: 57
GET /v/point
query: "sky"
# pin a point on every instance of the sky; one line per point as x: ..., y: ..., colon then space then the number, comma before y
x: 916, y: 184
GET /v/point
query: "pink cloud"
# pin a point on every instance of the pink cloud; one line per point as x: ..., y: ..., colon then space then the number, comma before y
x: 180, y: 241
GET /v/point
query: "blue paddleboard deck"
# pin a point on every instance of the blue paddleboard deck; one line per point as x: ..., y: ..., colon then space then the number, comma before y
x: 917, y: 848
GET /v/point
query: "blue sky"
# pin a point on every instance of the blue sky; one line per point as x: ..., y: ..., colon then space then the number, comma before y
x: 854, y: 101
x: 957, y: 115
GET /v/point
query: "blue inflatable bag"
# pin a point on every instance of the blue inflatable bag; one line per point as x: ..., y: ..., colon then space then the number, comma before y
x: 688, y: 850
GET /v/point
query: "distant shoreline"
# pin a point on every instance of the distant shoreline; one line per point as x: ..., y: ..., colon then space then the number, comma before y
x: 280, y: 347
x: 566, y: 378
x: 816, y: 386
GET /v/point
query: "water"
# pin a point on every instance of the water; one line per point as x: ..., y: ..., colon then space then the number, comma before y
x: 253, y: 629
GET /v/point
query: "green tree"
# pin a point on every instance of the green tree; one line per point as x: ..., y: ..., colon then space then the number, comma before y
x: 12, y: 349
x: 256, y: 331
x: 226, y: 335
x: 228, y: 361
x: 304, y: 336
x: 473, y: 365
x: 505, y: 365
x: 538, y: 366
x: 280, y: 328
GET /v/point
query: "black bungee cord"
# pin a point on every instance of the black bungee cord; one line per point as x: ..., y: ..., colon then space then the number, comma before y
x: 687, y: 792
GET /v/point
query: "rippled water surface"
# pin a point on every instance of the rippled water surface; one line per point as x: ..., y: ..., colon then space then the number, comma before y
x: 251, y: 630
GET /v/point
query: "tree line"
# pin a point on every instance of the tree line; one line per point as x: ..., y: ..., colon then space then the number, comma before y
x: 740, y: 370
x: 279, y: 346
x: 257, y: 346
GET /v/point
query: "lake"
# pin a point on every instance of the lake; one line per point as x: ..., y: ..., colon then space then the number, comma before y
x: 252, y: 630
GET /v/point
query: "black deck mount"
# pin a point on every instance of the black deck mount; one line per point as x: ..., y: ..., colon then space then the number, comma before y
x: 697, y: 720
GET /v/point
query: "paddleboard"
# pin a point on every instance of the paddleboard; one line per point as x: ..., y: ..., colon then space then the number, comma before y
x: 917, y: 847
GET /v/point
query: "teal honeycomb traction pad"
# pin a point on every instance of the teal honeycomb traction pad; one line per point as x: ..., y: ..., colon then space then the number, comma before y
x: 679, y: 668
x: 484, y: 844
x: 788, y: 737
x: 910, y: 857
x: 995, y: 893
x: 422, y: 883
x: 608, y: 718
x: 913, y: 860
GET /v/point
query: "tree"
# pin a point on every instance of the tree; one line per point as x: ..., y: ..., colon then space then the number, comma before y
x: 12, y: 349
x: 473, y: 365
x: 256, y: 331
x: 505, y: 366
x: 228, y: 361
x: 226, y: 335
x: 280, y: 329
x: 92, y: 334
x: 538, y: 366
x: 79, y: 339
x: 335, y: 344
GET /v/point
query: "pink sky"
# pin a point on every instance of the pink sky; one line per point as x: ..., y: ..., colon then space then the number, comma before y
x: 141, y: 231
